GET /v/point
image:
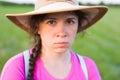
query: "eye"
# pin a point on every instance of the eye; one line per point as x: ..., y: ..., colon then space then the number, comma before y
x: 70, y: 21
x: 51, y: 22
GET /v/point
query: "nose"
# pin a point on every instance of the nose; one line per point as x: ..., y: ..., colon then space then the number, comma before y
x: 61, y: 31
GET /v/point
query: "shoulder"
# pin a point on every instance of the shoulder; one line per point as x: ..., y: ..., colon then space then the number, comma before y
x: 12, y: 67
x: 14, y: 61
x: 89, y: 61
x: 93, y: 71
x: 17, y: 59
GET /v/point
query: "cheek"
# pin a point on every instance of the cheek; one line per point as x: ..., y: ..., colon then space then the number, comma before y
x: 46, y: 37
x: 46, y: 40
x: 72, y: 33
x: 44, y: 32
x: 73, y: 30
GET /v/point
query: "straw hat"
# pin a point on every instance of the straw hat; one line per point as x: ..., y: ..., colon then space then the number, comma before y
x: 94, y: 13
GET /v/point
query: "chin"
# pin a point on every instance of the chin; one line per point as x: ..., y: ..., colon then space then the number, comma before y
x: 61, y: 50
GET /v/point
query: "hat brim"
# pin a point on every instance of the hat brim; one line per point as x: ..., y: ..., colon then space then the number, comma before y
x: 94, y: 13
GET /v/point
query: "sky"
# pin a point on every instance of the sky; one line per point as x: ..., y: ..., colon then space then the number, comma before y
x: 98, y: 1
x: 83, y: 1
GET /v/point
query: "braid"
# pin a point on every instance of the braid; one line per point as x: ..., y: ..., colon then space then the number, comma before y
x: 33, y: 57
x: 34, y: 27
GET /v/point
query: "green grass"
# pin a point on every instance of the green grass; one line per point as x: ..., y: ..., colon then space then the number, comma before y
x: 12, y: 39
x: 101, y: 41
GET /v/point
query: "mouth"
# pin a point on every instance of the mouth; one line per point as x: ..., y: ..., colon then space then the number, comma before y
x: 61, y: 44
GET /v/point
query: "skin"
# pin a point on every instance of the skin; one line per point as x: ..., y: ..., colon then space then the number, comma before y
x: 57, y: 32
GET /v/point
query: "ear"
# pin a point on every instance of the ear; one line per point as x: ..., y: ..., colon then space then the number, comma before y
x: 38, y: 32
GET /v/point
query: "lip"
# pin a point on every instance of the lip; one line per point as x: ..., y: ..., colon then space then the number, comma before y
x: 61, y: 44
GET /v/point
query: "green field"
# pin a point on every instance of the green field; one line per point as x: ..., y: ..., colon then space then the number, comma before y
x: 101, y: 42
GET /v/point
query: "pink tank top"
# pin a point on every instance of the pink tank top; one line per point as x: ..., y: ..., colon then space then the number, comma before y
x: 14, y: 70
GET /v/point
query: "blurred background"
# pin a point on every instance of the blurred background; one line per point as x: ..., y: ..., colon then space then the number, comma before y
x: 101, y: 42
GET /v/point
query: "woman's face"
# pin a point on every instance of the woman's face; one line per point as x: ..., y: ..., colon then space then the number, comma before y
x: 58, y: 30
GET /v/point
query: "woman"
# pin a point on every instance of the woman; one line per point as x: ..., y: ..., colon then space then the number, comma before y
x: 54, y: 24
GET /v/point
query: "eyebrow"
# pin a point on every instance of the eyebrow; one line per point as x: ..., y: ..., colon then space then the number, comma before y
x: 50, y: 18
x: 57, y: 18
x: 72, y: 18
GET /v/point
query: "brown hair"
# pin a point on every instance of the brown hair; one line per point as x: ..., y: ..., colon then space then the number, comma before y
x: 34, y: 24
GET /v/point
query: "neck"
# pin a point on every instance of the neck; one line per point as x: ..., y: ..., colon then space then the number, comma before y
x: 54, y: 57
x: 61, y: 60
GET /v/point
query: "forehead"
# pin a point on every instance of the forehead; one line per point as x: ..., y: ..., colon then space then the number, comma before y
x: 61, y: 15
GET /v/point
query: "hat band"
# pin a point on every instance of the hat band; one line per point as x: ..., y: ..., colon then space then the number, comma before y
x: 42, y: 3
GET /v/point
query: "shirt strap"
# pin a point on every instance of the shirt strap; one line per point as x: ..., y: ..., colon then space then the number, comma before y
x: 26, y: 62
x: 83, y: 66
